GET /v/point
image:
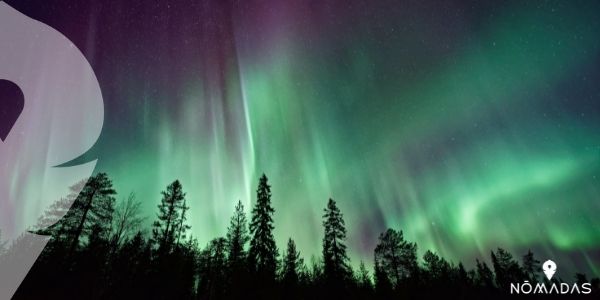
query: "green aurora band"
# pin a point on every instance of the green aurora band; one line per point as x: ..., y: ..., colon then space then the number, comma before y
x: 467, y: 141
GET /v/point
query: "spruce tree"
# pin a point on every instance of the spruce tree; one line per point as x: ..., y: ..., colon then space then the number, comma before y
x: 485, y: 276
x: 237, y: 237
x: 531, y: 266
x: 182, y: 227
x: 291, y: 266
x: 59, y: 221
x: 93, y: 208
x: 170, y: 213
x: 363, y: 278
x: 262, y: 255
x: 335, y: 260
x: 506, y: 269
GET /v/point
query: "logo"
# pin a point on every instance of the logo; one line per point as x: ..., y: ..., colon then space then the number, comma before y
x: 550, y: 287
x: 549, y: 268
x: 51, y: 112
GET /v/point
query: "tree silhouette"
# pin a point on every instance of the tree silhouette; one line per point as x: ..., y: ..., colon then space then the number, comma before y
x: 130, y: 269
x: 506, y: 269
x: 363, y: 277
x: 58, y: 221
x: 363, y: 281
x: 336, y: 270
x: 93, y: 208
x: 170, y: 213
x: 262, y: 256
x: 463, y: 282
x: 437, y: 269
x: 186, y: 267
x: 485, y: 277
x: 315, y: 272
x: 290, y: 270
x: 113, y: 258
x: 126, y: 222
x: 237, y: 237
x: 182, y: 226
x: 531, y: 266
x: 383, y: 285
x: 212, y: 270
x: 396, y: 257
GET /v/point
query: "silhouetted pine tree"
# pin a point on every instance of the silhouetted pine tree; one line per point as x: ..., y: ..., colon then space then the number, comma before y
x: 93, y: 208
x: 383, y: 286
x: 110, y: 262
x: 262, y: 255
x: 462, y: 282
x: 185, y: 266
x: 363, y: 278
x: 485, y: 276
x: 397, y: 258
x: 171, y: 259
x: 58, y: 221
x: 76, y: 256
x: 74, y: 261
x: 237, y: 237
x: 316, y: 272
x: 212, y: 266
x: 363, y: 282
x: 91, y: 267
x: 130, y: 270
x: 437, y: 270
x: 290, y: 271
x: 170, y: 210
x: 336, y: 269
x: 506, y: 269
x: 531, y: 266
x: 182, y: 227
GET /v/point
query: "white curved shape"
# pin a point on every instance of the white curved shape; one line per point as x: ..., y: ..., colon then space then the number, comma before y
x: 62, y: 118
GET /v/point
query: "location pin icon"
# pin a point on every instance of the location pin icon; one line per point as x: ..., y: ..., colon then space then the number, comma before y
x: 549, y: 268
x: 11, y: 106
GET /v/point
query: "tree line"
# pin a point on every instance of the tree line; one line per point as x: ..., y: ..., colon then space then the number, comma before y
x: 100, y: 250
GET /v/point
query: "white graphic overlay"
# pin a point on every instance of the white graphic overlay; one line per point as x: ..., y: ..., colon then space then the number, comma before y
x: 549, y: 268
x: 61, y: 119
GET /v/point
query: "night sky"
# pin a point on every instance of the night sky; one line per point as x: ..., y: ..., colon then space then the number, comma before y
x: 467, y: 125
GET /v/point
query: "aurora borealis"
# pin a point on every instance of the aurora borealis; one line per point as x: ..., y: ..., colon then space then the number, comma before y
x: 467, y: 125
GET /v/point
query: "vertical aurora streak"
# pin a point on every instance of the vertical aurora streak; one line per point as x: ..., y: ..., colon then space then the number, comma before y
x: 468, y: 126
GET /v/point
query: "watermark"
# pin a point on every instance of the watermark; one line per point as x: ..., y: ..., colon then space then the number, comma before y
x: 51, y: 112
x: 549, y: 268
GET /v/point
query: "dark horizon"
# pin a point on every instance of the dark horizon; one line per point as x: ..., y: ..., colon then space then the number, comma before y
x: 98, y: 250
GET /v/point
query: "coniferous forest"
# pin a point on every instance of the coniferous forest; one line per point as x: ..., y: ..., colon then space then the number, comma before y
x: 100, y: 250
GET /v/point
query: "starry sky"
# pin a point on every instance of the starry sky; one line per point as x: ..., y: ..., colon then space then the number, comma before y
x: 467, y: 125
